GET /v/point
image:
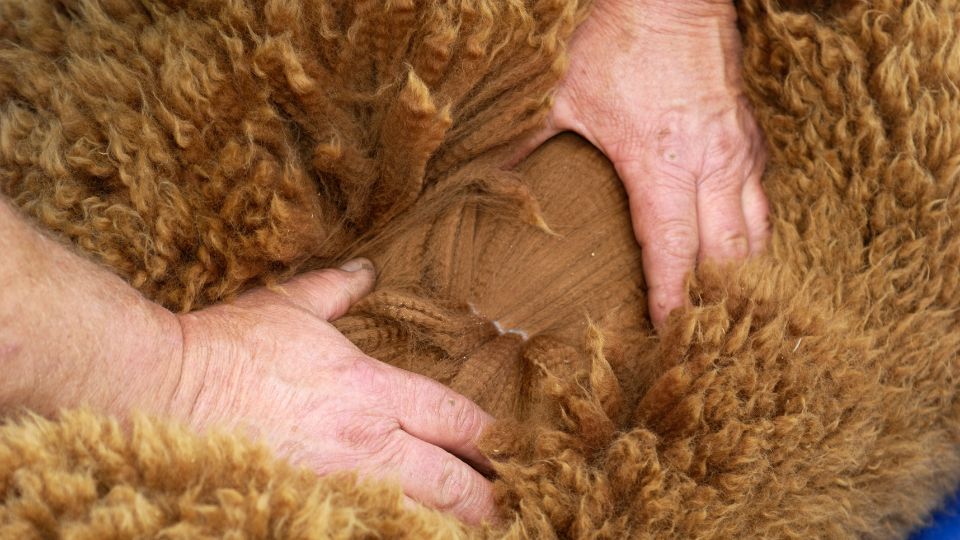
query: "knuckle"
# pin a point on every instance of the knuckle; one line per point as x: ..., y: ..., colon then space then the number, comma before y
x: 736, y: 245
x: 729, y: 158
x: 323, y: 289
x: 729, y: 140
x: 455, y: 485
x: 462, y: 417
x: 391, y: 454
x: 366, y: 434
x: 721, y: 179
x: 324, y: 282
x: 334, y: 290
x: 676, y: 239
x: 365, y: 376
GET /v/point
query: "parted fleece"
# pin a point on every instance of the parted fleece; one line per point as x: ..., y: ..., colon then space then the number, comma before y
x: 199, y: 148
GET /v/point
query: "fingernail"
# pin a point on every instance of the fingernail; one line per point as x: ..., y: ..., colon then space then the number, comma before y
x: 357, y: 264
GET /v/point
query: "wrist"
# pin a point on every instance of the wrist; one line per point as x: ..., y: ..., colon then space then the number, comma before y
x: 158, y: 367
x: 72, y: 334
x: 692, y: 11
x: 141, y: 370
x: 189, y: 365
x: 683, y: 13
x: 210, y: 369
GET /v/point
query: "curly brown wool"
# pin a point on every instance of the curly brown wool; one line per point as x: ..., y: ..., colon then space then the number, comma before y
x: 201, y: 147
x: 198, y: 148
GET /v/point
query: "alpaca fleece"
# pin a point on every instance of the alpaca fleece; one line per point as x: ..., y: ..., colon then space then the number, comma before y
x: 201, y: 148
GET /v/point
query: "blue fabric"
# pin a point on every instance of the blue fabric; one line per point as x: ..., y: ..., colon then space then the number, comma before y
x: 946, y: 523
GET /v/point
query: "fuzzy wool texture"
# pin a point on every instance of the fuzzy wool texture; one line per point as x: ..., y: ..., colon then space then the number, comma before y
x: 201, y: 148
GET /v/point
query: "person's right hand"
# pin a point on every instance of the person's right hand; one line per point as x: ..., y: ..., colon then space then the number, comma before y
x: 271, y: 363
x: 656, y: 85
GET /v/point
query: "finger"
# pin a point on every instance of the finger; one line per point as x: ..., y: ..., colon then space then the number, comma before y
x: 436, y: 478
x: 436, y: 414
x: 664, y: 212
x: 756, y: 212
x: 329, y: 293
x: 723, y: 228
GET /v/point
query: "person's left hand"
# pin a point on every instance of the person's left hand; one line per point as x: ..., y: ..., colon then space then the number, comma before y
x: 656, y: 86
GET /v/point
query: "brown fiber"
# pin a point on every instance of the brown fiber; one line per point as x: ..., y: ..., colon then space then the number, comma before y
x: 199, y: 148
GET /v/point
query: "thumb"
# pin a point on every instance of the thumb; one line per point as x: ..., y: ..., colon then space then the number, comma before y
x: 329, y: 293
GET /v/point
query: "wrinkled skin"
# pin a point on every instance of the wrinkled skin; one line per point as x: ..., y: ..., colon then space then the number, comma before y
x: 272, y: 364
x: 681, y: 135
x: 656, y: 86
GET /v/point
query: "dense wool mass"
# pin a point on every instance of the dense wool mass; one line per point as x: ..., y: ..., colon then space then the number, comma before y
x: 199, y: 148
x: 196, y: 147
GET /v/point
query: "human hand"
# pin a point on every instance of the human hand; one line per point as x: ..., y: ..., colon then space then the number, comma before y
x: 656, y: 86
x: 271, y: 363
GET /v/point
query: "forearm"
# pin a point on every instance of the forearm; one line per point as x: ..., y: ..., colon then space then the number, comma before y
x: 73, y: 334
x: 658, y: 36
